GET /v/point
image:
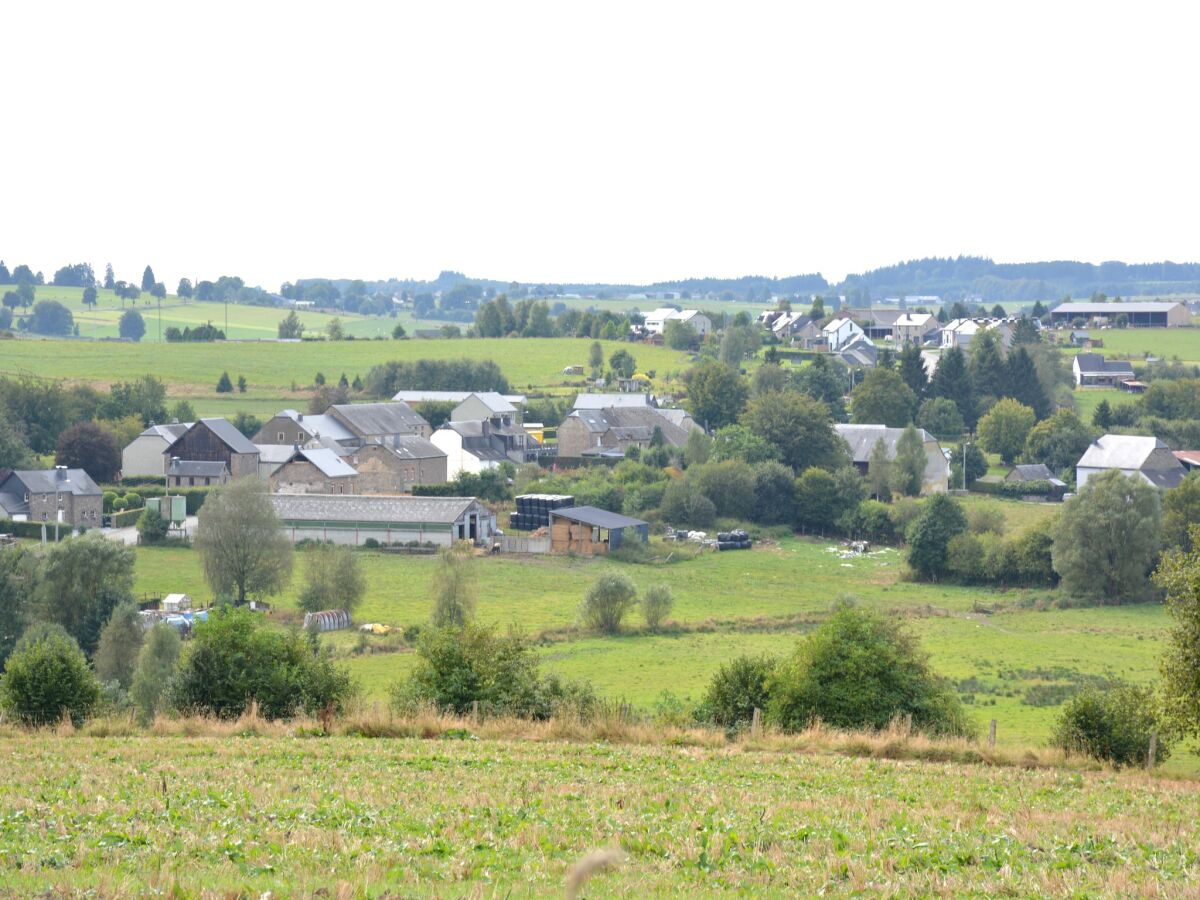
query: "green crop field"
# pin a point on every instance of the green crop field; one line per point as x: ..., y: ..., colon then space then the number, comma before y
x: 278, y: 373
x: 245, y: 322
x: 347, y: 817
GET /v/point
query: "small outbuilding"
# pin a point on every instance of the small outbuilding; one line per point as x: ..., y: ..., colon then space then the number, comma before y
x: 591, y: 531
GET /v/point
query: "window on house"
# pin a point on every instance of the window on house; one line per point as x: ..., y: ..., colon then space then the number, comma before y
x: 281, y: 436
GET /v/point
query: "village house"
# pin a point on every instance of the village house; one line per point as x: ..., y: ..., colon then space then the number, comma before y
x: 612, y: 431
x: 315, y: 471
x: 144, y: 454
x: 863, y: 438
x: 1145, y: 456
x: 185, y: 473
x: 62, y: 495
x: 656, y: 321
x: 475, y: 446
x: 859, y: 353
x: 394, y: 469
x: 379, y: 423
x: 840, y: 331
x: 1034, y: 472
x: 210, y: 441
x: 290, y: 427
x: 354, y: 519
x: 1093, y: 370
x: 913, y: 328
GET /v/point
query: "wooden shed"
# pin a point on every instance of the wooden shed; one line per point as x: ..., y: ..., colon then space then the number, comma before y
x: 591, y: 531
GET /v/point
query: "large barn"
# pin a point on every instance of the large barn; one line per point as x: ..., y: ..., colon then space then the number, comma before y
x: 354, y: 518
x: 1138, y: 315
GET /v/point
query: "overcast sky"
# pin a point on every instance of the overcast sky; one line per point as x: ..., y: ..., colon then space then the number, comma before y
x: 612, y: 142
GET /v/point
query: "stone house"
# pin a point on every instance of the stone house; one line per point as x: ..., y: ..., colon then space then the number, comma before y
x: 215, y: 441
x: 314, y: 471
x: 66, y: 496
x: 395, y: 469
x: 610, y: 432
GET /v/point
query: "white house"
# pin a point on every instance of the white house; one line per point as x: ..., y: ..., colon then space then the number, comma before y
x: 469, y: 447
x: 144, y: 454
x: 1093, y: 370
x: 841, y: 331
x: 1131, y: 454
x: 656, y: 321
x: 959, y: 332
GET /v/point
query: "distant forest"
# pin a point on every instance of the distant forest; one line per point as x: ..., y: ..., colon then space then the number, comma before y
x: 956, y: 278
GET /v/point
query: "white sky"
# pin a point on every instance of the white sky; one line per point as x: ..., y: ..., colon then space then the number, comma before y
x: 606, y: 142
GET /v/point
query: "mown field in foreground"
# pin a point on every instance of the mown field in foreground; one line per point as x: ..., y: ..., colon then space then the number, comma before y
x: 445, y: 817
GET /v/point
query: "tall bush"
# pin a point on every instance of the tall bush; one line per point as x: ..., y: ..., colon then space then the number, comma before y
x: 606, y: 602
x: 47, y: 678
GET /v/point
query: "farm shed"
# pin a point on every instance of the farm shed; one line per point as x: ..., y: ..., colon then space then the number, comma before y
x: 591, y: 531
x: 327, y: 620
x: 354, y: 518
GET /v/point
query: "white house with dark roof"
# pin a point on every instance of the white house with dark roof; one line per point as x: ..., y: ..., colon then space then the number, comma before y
x: 1131, y: 454
x: 1093, y: 370
x: 840, y: 331
x: 656, y: 321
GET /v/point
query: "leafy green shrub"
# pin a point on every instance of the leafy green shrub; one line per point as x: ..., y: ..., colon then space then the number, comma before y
x: 235, y: 659
x: 119, y: 504
x: 736, y: 690
x: 870, y: 520
x: 134, y: 500
x: 109, y: 497
x: 152, y: 528
x: 606, y: 602
x: 459, y: 666
x: 860, y: 670
x: 1112, y: 725
x: 47, y: 677
x: 683, y: 504
x: 155, y: 665
x: 657, y: 602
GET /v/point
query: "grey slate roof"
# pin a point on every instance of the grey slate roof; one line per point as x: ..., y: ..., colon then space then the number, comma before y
x: 631, y: 422
x: 862, y: 439
x: 364, y: 508
x: 329, y: 463
x: 1096, y: 364
x: 452, y: 396
x: 47, y: 481
x: 196, y: 468
x: 322, y: 425
x: 1120, y: 451
x: 1033, y: 472
x: 171, y: 432
x: 413, y: 446
x: 275, y: 453
x: 374, y: 419
x: 223, y: 429
x: 606, y: 401
x: 595, y: 517
x: 1111, y: 310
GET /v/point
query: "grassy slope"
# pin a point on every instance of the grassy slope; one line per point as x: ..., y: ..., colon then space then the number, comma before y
x: 760, y: 601
x: 351, y: 817
x: 1163, y: 342
x: 191, y: 370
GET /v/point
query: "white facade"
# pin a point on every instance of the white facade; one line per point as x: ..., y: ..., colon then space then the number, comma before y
x: 458, y: 457
x: 144, y: 454
x: 656, y: 321
x: 841, y: 332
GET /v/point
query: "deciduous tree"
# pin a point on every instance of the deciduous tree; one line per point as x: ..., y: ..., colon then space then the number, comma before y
x: 243, y: 550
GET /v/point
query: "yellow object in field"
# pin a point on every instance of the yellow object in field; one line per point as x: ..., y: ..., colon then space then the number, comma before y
x: 379, y: 628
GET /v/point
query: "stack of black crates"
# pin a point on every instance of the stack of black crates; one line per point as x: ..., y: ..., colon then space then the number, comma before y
x: 533, y: 510
x: 733, y: 540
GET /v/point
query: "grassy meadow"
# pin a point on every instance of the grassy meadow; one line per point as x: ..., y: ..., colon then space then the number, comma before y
x: 349, y: 817
x: 1166, y: 343
x: 1014, y: 655
x: 279, y: 374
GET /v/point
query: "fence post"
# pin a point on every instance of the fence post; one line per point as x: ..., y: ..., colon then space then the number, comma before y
x: 475, y: 711
x: 1153, y: 749
x: 992, y: 734
x: 756, y: 723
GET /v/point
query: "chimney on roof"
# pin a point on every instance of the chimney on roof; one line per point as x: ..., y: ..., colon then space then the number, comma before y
x: 60, y: 473
x: 299, y: 417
